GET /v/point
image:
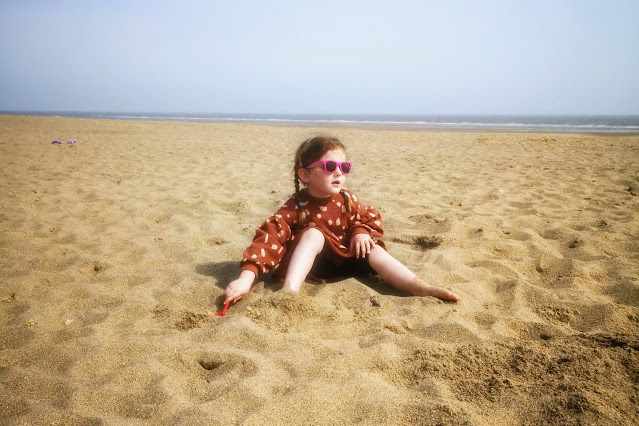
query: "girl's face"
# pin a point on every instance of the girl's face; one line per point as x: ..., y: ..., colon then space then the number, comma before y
x: 321, y: 184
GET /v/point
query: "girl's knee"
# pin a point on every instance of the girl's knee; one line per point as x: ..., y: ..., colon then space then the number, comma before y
x: 378, y: 252
x: 312, y: 234
x: 313, y: 238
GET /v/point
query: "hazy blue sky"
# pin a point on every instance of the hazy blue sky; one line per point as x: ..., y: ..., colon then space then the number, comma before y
x: 423, y: 57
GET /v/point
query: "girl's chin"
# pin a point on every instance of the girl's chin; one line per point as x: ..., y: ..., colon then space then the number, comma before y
x: 336, y: 189
x: 325, y: 191
x: 326, y: 194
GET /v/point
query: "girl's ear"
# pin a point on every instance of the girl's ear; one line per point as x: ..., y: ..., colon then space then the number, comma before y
x: 304, y: 175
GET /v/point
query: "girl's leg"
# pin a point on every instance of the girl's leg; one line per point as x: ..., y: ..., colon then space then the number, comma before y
x: 308, y: 247
x: 399, y: 276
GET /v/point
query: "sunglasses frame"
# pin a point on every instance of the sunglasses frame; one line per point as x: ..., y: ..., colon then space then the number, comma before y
x: 337, y: 164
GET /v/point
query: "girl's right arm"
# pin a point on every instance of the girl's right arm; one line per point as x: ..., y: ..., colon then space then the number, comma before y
x: 240, y: 287
x: 269, y: 244
x: 265, y: 252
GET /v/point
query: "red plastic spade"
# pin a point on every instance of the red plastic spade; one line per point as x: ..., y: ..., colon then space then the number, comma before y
x: 221, y: 314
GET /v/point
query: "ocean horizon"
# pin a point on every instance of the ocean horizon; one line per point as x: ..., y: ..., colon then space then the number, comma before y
x: 529, y: 123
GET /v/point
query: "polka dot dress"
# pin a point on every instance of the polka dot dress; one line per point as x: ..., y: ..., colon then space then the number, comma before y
x: 280, y: 232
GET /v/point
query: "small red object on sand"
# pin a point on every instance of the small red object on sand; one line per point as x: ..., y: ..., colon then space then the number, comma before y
x: 221, y: 314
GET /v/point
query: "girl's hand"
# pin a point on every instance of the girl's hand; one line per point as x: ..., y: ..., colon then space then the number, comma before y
x: 240, y: 287
x: 361, y: 245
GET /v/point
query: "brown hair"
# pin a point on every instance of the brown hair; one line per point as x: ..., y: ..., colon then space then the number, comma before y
x: 310, y: 151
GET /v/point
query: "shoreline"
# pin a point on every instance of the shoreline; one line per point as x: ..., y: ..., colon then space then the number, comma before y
x: 360, y: 126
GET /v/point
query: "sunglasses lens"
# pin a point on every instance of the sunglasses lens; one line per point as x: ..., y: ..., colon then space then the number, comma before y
x: 346, y: 168
x: 330, y: 166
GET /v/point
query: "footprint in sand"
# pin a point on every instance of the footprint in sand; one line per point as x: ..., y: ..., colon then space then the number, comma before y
x: 95, y: 267
x: 218, y: 374
x: 517, y: 235
x: 189, y: 320
x: 496, y: 268
x: 224, y: 367
x: 431, y: 224
x: 208, y: 375
x: 423, y: 242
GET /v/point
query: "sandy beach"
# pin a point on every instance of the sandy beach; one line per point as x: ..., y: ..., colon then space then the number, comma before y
x: 115, y: 252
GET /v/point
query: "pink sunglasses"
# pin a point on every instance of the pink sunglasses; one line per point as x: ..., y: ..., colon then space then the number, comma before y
x: 330, y: 166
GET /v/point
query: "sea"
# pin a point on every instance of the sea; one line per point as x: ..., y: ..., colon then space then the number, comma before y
x: 527, y: 123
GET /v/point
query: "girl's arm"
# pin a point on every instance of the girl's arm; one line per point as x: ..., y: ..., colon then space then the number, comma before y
x: 269, y: 244
x: 365, y: 229
x: 240, y: 287
x: 265, y: 252
x: 367, y: 220
x: 361, y: 245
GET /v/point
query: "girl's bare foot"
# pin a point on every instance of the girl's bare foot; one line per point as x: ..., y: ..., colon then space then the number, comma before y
x: 423, y: 289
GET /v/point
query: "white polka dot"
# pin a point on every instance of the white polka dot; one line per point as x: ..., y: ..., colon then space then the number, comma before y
x: 339, y: 204
x: 254, y: 256
x: 337, y: 222
x: 311, y: 224
x: 323, y: 208
x: 377, y: 222
x: 330, y: 222
x: 262, y: 252
x: 274, y: 246
x: 343, y: 209
x: 266, y: 238
x: 319, y: 216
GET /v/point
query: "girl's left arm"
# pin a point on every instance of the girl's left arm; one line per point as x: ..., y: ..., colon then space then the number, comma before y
x: 367, y: 220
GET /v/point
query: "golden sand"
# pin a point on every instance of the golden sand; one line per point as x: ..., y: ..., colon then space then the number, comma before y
x: 115, y: 251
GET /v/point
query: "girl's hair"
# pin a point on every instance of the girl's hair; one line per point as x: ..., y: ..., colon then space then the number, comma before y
x: 310, y: 151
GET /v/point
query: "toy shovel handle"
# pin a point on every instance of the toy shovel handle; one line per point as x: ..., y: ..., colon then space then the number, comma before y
x: 221, y: 314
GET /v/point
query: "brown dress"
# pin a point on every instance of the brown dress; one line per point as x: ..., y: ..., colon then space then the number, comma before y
x: 276, y: 238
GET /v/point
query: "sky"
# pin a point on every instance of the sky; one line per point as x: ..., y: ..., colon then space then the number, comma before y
x: 325, y: 57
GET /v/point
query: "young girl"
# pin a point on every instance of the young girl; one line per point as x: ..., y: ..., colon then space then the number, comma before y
x: 324, y: 230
